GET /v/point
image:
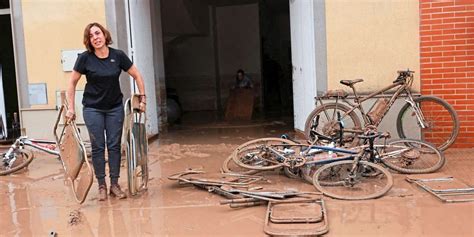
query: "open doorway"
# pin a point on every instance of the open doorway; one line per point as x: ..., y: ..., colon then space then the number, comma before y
x: 206, y: 42
x: 276, y: 57
x: 8, y: 86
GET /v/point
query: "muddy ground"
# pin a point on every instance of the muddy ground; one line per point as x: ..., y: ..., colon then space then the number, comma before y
x: 37, y: 201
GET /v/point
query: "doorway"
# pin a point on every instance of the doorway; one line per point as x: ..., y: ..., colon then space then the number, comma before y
x: 276, y: 57
x: 206, y: 42
x: 8, y: 90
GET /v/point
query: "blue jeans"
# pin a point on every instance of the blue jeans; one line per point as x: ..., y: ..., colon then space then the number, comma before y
x: 105, y: 125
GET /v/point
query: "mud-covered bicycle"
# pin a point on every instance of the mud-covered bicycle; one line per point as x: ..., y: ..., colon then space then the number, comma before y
x: 403, y: 155
x: 436, y: 118
x: 18, y: 156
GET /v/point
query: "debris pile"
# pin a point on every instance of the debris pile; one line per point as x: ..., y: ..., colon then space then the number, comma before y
x: 289, y: 212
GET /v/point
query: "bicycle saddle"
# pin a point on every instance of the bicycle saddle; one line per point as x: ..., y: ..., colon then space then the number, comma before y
x: 351, y: 82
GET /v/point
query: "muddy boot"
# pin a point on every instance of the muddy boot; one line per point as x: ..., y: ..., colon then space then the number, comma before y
x: 115, y: 191
x: 102, y: 192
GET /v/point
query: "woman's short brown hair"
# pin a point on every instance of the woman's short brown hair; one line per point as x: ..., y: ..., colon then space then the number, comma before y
x: 87, y: 32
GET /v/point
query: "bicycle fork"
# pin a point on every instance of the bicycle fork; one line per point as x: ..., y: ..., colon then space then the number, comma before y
x: 419, y: 114
x: 351, y: 179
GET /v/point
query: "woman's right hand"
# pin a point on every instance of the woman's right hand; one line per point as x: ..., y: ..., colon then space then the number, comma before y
x: 70, y: 115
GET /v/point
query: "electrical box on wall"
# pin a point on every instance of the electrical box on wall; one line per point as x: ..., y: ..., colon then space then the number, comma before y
x: 68, y: 58
x: 37, y: 94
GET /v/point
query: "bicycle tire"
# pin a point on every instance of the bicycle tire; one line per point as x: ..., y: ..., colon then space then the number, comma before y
x: 227, y: 167
x: 352, y: 122
x: 363, y: 186
x: 241, y: 154
x: 429, y: 158
x: 431, y: 134
x: 27, y: 157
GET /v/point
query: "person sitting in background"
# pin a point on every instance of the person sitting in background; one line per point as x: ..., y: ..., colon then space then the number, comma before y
x: 239, y: 105
x: 242, y: 80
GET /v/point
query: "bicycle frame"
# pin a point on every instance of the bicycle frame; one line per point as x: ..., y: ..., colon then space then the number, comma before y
x: 302, y: 156
x: 356, y: 153
x: 350, y: 154
x: 402, y: 86
x: 375, y: 154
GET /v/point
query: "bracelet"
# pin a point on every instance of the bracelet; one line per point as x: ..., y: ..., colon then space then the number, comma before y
x: 142, y: 98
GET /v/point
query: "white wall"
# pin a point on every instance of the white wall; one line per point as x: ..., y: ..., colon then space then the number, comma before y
x: 142, y: 55
x: 303, y: 58
x: 2, y: 104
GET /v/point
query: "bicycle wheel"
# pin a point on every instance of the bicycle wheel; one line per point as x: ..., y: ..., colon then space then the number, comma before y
x: 229, y: 166
x: 22, y: 159
x: 441, y: 118
x: 412, y: 156
x: 369, y: 180
x: 329, y: 126
x: 258, y: 155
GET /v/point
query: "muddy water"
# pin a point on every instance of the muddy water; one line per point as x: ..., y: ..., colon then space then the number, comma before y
x: 37, y: 201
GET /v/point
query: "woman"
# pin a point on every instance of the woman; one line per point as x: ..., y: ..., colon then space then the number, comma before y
x: 102, y: 102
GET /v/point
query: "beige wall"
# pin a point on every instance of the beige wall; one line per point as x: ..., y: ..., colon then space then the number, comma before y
x: 371, y: 39
x: 49, y: 27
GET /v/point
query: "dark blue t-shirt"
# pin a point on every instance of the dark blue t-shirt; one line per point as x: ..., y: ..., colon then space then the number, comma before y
x: 102, y: 89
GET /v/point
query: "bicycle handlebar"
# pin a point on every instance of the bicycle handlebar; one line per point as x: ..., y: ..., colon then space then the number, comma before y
x: 402, y: 75
x: 405, y: 71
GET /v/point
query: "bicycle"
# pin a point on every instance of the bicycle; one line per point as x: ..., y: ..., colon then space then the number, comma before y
x: 437, y: 119
x: 267, y: 157
x: 357, y: 179
x: 17, y: 157
x: 404, y: 155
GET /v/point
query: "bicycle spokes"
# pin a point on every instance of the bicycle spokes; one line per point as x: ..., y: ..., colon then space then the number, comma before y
x: 412, y: 156
x: 343, y: 180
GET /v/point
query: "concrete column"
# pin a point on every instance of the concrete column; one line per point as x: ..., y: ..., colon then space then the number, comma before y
x: 20, y: 56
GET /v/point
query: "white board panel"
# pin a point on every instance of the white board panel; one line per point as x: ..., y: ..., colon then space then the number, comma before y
x: 68, y: 58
